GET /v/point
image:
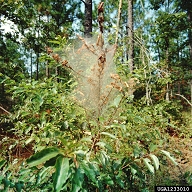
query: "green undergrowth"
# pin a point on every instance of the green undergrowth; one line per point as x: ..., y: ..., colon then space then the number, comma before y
x: 123, y: 150
x: 87, y: 132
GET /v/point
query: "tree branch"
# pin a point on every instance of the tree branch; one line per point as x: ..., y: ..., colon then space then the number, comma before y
x: 185, y: 99
x: 5, y: 110
x: 83, y: 1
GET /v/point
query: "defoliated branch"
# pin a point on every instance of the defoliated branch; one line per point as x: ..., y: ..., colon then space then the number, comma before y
x: 5, y: 110
x: 184, y: 99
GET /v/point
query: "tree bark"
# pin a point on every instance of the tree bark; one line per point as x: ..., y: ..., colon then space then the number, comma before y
x: 31, y: 70
x: 57, y: 73
x: 167, y: 98
x: 88, y: 18
x: 118, y: 21
x: 38, y: 52
x: 47, y: 70
x: 130, y: 36
x: 191, y: 92
x: 37, y: 67
x: 189, y: 13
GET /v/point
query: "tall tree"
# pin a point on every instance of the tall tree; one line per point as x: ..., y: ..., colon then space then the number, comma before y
x: 186, y: 6
x: 118, y: 21
x: 88, y: 18
x: 130, y: 35
x: 189, y: 13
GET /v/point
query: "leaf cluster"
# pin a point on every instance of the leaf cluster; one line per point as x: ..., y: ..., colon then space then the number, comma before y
x: 73, y: 153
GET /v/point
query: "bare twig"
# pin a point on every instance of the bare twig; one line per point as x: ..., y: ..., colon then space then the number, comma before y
x: 185, y: 99
x: 90, y: 48
x: 5, y: 110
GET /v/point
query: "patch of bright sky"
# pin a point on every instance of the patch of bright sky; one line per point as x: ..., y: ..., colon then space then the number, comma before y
x: 83, y: 6
x: 7, y: 26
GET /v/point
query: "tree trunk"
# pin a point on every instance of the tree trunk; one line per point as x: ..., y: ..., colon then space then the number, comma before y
x: 31, y: 71
x: 118, y: 22
x: 189, y: 13
x: 88, y: 18
x: 167, y: 98
x: 130, y: 36
x: 47, y: 70
x: 37, y: 67
x: 57, y: 73
x: 179, y: 79
x: 38, y: 52
x: 191, y: 92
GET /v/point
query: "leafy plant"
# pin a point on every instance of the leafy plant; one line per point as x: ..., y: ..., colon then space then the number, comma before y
x: 89, y: 133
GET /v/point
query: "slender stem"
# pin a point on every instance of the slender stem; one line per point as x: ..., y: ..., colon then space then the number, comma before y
x: 5, y: 110
x: 185, y: 99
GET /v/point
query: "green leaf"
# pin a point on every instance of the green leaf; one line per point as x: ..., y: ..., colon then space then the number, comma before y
x: 43, y: 174
x: 86, y: 139
x: 152, y: 147
x: 61, y: 174
x: 117, y: 100
x: 66, y: 125
x: 149, y: 166
x: 2, y: 163
x: 169, y: 156
x: 107, y: 179
x: 54, y: 90
x: 42, y: 156
x: 105, y: 145
x: 101, y: 144
x: 19, y: 186
x: 90, y: 172
x: 30, y: 139
x: 51, y: 162
x: 23, y: 174
x: 75, y: 188
x: 139, y: 119
x: 155, y: 161
x: 80, y: 153
x: 133, y: 171
x: 78, y: 179
x: 6, y: 183
x: 137, y: 151
x: 108, y: 134
x: 19, y: 90
x: 104, y: 158
x: 54, y: 42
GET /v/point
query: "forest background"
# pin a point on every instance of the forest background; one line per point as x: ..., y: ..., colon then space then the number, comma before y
x: 95, y: 95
